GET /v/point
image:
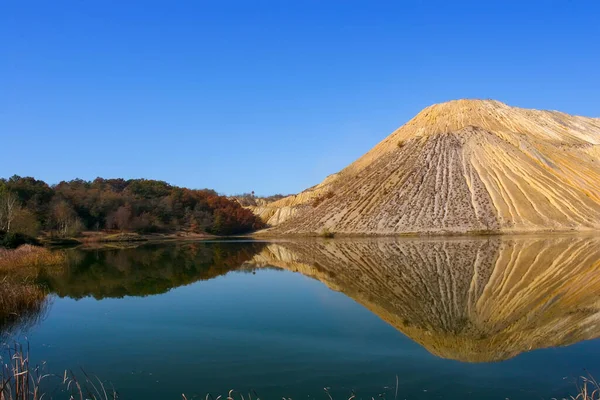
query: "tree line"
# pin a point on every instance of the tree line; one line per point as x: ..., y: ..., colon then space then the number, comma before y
x: 30, y: 206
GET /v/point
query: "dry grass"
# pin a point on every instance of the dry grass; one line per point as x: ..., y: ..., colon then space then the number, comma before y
x: 587, y: 389
x: 29, y: 256
x: 20, y: 297
x: 107, y: 237
x: 19, y: 380
x: 235, y: 395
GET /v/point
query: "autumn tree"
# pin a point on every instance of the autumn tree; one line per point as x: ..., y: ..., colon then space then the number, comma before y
x: 121, y: 218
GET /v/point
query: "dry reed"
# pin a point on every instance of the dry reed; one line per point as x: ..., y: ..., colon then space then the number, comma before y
x: 19, y: 380
x: 588, y: 389
x: 29, y: 256
x: 20, y: 296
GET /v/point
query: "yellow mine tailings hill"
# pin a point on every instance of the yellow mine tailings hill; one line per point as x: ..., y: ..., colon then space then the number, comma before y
x: 459, y: 167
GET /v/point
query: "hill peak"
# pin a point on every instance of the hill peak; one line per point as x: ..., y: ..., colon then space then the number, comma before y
x: 457, y: 114
x: 464, y: 105
x: 501, y: 119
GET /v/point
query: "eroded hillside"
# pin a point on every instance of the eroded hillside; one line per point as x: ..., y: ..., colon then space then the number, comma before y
x: 459, y: 167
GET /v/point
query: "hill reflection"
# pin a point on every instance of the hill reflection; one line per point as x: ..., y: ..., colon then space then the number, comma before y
x: 474, y: 300
x: 469, y: 299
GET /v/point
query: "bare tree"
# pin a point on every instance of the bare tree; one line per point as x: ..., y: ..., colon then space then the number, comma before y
x: 65, y: 219
x: 9, y: 203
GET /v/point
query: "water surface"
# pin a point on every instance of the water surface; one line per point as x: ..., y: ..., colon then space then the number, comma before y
x: 487, y: 318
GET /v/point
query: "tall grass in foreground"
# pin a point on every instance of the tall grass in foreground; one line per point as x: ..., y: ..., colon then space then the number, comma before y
x: 588, y: 389
x: 19, y: 380
x: 234, y: 395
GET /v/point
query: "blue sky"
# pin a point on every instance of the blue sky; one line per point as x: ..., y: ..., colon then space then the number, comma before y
x: 269, y: 96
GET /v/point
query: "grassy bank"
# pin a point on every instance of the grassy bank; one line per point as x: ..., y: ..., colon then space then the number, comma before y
x: 20, y: 296
x: 26, y: 257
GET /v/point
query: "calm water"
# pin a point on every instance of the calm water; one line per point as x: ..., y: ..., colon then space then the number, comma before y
x: 488, y: 318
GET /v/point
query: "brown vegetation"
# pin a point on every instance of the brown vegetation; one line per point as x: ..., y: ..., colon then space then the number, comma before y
x: 19, y: 380
x: 27, y: 256
x: 19, y: 294
x: 587, y: 389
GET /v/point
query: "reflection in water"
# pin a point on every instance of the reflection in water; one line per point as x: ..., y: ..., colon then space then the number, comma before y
x: 135, y: 271
x: 146, y: 270
x: 21, y: 323
x: 474, y: 300
x: 469, y: 299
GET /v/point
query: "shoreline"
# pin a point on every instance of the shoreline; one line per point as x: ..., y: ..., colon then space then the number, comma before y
x: 111, y: 239
x: 92, y: 238
x: 265, y: 234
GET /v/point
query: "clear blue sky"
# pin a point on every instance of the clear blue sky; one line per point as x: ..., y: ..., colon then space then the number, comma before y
x: 270, y: 96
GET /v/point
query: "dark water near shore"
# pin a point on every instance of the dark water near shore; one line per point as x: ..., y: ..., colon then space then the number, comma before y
x: 490, y: 318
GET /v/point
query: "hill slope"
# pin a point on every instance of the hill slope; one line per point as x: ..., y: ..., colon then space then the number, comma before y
x: 458, y: 167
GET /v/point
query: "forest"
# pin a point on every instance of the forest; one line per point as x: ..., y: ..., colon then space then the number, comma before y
x: 29, y: 206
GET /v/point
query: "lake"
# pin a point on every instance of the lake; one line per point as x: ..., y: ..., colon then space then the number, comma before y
x: 454, y: 318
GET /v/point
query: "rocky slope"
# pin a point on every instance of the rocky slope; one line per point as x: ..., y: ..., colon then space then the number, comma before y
x: 459, y: 167
x: 475, y: 300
